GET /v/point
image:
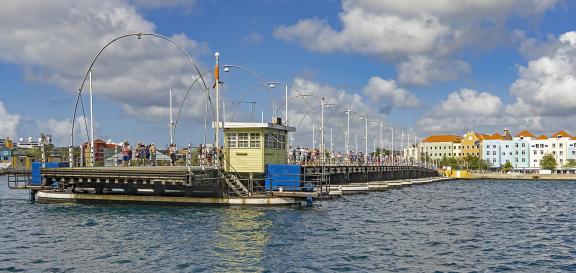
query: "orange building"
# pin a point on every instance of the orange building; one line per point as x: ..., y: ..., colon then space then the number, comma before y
x: 472, y: 143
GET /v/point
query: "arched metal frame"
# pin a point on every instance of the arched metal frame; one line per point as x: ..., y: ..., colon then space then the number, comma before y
x: 139, y: 35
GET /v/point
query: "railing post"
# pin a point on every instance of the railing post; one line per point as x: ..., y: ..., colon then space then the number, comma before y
x: 70, y: 156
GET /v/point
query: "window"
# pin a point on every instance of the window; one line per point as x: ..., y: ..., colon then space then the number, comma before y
x: 516, y: 152
x: 561, y: 153
x: 494, y: 153
x: 494, y: 160
x: 561, y: 145
x: 488, y: 153
x: 523, y: 145
x: 535, y: 152
x: 243, y: 140
x: 232, y: 138
x: 487, y: 146
x: 494, y: 146
x: 523, y: 152
x: 516, y: 159
x: 516, y: 144
x: 541, y: 152
x: 507, y: 146
x: 254, y: 140
x: 275, y: 141
x: 553, y: 145
x: 523, y: 159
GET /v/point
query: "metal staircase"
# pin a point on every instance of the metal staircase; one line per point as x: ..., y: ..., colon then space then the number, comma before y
x: 235, y: 185
x: 232, y: 179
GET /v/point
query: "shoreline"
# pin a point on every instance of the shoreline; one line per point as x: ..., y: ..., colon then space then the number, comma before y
x: 503, y: 176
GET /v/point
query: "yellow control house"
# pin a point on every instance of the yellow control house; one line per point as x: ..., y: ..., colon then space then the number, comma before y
x: 248, y: 146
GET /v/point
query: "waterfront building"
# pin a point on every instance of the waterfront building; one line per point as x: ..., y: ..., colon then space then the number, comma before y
x: 492, y: 149
x: 99, y: 155
x: 571, y: 150
x: 472, y: 144
x: 538, y: 148
x: 521, y: 150
x: 6, y: 147
x: 438, y: 146
x: 411, y: 152
x: 558, y: 143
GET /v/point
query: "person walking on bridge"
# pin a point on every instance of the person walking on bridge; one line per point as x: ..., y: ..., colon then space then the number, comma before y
x: 153, y: 154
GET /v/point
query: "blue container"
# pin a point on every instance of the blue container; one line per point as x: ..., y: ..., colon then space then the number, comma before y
x: 283, y: 176
x: 37, y: 173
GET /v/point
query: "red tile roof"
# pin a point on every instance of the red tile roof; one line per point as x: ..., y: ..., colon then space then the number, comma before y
x: 443, y: 138
x: 542, y: 137
x: 525, y: 133
x: 561, y: 134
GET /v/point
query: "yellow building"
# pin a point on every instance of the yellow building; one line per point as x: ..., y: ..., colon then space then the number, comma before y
x: 472, y: 144
x: 249, y: 146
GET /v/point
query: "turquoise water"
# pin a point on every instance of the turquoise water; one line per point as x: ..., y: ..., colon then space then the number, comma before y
x: 460, y: 226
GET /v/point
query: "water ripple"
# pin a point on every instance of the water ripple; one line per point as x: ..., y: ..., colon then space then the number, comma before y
x: 467, y: 226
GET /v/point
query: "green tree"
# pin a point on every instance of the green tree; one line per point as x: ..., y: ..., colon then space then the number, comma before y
x: 451, y: 162
x: 507, y: 167
x: 548, y: 162
x: 570, y: 163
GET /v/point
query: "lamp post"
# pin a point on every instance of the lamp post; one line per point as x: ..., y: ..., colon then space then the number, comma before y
x: 92, y: 153
x: 217, y: 80
x: 171, y: 126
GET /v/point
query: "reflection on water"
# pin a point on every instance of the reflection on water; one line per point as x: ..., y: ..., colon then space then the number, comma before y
x: 242, y: 237
x: 482, y: 226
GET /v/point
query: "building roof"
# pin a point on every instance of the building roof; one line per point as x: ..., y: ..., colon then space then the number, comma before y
x: 525, y: 133
x: 561, y: 134
x: 495, y: 136
x: 246, y: 125
x: 542, y: 137
x: 443, y: 138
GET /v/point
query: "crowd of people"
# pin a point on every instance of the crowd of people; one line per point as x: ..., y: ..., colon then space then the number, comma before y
x: 143, y: 154
x: 308, y: 156
x: 146, y: 155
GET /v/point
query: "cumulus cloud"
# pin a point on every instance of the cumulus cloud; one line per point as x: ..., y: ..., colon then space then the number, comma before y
x: 399, y: 30
x: 408, y: 27
x: 305, y: 111
x: 463, y: 110
x: 8, y: 122
x: 546, y: 86
x: 61, y: 130
x: 56, y: 41
x: 424, y: 70
x: 387, y: 91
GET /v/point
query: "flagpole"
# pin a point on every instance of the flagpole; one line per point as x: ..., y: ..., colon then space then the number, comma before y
x: 217, y: 79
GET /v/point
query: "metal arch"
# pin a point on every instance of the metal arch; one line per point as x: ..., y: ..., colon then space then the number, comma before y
x: 140, y: 34
x: 300, y: 94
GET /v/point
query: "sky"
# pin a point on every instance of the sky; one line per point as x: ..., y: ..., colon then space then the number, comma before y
x: 424, y: 67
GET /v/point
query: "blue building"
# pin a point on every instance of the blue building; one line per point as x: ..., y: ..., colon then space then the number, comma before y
x: 6, y: 147
x: 521, y: 148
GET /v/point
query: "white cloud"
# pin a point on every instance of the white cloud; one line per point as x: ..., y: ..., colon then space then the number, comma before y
x: 424, y: 70
x: 56, y: 41
x: 421, y: 34
x: 400, y: 27
x: 547, y: 85
x: 8, y: 122
x: 303, y: 116
x: 463, y: 110
x: 61, y: 130
x: 387, y: 91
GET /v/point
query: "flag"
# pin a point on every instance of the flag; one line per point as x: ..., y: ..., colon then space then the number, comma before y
x: 216, y: 76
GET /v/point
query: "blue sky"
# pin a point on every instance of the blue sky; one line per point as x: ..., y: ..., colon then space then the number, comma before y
x: 425, y: 66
